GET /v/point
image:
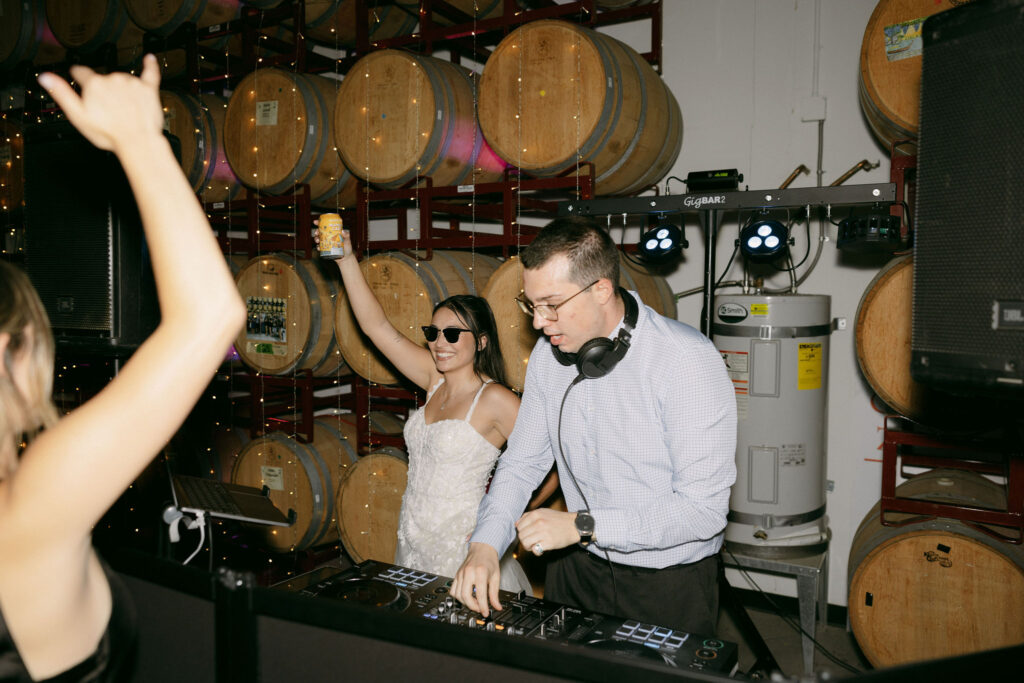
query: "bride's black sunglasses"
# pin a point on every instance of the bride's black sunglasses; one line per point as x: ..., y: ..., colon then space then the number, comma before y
x: 451, y: 334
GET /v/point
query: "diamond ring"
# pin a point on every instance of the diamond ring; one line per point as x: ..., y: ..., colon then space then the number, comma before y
x: 538, y: 549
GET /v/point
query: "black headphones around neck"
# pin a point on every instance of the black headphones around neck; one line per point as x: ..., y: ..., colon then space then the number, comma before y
x: 597, y: 357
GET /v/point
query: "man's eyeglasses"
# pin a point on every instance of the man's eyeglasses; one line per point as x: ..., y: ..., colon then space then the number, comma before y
x: 548, y: 311
x: 451, y: 334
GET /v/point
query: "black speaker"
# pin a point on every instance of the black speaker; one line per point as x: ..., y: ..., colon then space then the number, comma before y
x: 968, y: 302
x: 85, y: 249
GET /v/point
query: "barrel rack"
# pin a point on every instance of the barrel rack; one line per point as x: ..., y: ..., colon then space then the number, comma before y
x: 274, y: 222
x: 903, y: 447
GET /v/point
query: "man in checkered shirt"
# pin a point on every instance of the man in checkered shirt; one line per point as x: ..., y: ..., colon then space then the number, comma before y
x: 644, y: 447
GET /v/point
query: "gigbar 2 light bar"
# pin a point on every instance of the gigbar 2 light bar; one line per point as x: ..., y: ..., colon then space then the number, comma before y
x: 790, y: 198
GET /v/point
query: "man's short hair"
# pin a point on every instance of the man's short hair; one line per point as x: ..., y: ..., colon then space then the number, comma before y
x: 591, y: 252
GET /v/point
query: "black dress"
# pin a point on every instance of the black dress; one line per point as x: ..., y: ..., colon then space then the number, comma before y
x: 112, y: 660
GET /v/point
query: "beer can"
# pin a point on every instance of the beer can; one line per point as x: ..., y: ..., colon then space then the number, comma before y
x: 331, y: 245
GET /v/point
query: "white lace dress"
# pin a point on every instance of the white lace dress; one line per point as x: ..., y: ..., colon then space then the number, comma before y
x: 449, y: 464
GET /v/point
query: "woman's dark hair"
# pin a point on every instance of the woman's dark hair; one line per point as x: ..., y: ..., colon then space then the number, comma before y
x: 475, y: 313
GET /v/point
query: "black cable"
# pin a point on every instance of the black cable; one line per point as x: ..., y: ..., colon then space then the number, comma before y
x: 735, y: 250
x: 672, y: 177
x: 849, y: 215
x: 586, y: 503
x: 807, y: 252
x: 792, y: 624
x: 906, y: 214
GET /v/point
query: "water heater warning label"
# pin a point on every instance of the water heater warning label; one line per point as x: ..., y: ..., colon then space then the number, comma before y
x: 808, y: 366
x: 737, y: 363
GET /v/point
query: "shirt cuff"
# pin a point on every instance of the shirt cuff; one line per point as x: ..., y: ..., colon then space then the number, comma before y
x: 608, y: 526
x: 493, y: 536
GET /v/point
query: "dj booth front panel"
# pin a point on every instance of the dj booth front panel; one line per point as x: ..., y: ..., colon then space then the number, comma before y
x: 290, y: 650
x: 192, y: 628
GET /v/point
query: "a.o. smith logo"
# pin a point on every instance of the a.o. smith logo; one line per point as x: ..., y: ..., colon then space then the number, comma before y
x: 731, y: 313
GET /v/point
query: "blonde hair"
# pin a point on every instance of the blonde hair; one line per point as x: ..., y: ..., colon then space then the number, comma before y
x: 23, y: 318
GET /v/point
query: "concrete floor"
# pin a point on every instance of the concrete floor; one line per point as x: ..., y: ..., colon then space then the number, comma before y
x: 784, y: 642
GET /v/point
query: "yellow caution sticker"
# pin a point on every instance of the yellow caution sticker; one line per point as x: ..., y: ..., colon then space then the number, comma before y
x: 758, y: 309
x: 808, y: 366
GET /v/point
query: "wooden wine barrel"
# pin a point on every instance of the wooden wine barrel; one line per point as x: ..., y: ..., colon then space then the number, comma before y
x: 221, y: 182
x: 198, y: 123
x: 165, y: 17
x: 408, y: 290
x: 236, y: 262
x: 515, y: 330
x: 883, y: 341
x: 402, y: 117
x: 333, y: 22
x: 87, y: 25
x: 221, y: 455
x: 652, y: 288
x: 25, y: 36
x: 289, y: 323
x: 368, y: 502
x: 279, y: 133
x: 936, y: 588
x: 300, y: 477
x: 174, y: 62
x: 555, y: 94
x: 386, y: 423
x: 12, y: 165
x: 890, y: 66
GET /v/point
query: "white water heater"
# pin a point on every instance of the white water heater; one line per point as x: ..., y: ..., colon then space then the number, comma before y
x: 776, y: 352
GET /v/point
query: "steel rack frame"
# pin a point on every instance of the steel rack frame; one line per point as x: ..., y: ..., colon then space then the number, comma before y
x: 272, y: 396
x: 448, y: 200
x: 711, y: 204
x: 902, y: 448
x: 466, y: 35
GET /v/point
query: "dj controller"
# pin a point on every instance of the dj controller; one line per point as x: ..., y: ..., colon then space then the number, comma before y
x: 426, y: 596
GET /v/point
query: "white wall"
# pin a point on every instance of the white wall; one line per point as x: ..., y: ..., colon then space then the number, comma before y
x: 741, y: 69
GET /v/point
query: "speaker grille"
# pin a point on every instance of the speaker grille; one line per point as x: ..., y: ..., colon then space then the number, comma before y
x: 968, y: 244
x: 85, y: 248
x: 70, y: 258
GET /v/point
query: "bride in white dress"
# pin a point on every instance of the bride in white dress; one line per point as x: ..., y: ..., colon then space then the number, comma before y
x: 454, y: 440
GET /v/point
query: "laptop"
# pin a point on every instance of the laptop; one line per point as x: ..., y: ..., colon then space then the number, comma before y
x: 229, y: 501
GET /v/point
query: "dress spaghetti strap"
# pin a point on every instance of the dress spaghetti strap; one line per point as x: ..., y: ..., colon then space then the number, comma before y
x: 472, y: 407
x: 433, y: 390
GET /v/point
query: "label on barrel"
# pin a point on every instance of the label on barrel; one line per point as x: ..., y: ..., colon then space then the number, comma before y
x: 903, y: 40
x: 273, y: 477
x: 266, y: 113
x: 266, y: 348
x: 266, y: 319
